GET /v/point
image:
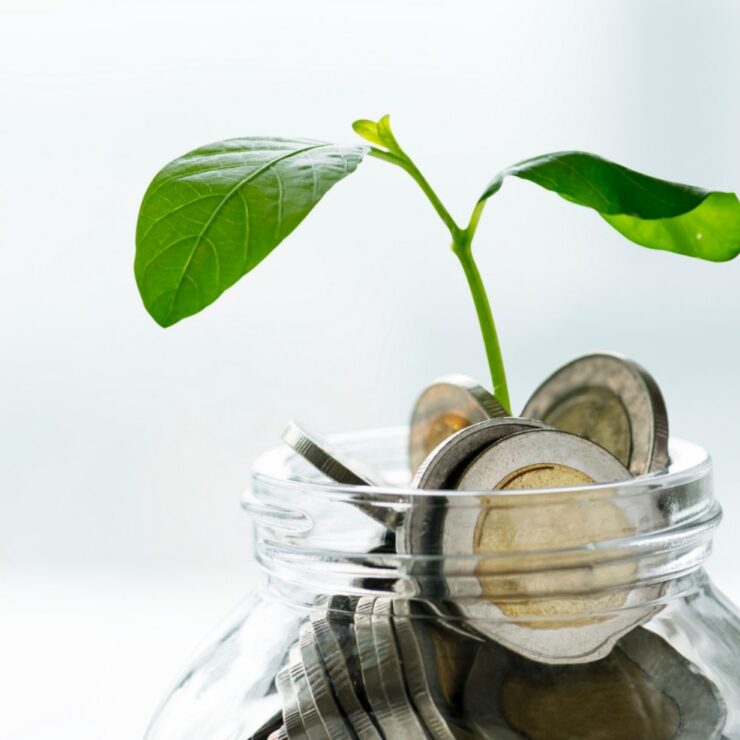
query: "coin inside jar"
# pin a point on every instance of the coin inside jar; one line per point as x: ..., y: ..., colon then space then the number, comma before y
x: 445, y: 407
x: 643, y: 689
x: 611, y: 401
x: 555, y: 610
x: 519, y: 462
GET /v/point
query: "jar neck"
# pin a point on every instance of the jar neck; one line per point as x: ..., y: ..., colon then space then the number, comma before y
x: 605, y: 547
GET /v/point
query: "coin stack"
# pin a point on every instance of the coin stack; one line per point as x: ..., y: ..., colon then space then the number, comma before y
x: 374, y: 667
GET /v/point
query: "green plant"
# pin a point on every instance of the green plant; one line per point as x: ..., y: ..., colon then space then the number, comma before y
x: 211, y: 216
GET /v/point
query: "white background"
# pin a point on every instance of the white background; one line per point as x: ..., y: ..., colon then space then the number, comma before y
x: 124, y: 447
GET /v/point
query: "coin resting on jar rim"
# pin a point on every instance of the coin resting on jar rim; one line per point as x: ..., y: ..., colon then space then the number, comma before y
x: 612, y: 401
x: 317, y: 451
x: 445, y: 407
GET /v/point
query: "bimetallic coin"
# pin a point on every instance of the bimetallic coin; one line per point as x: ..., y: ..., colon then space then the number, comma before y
x: 611, y: 401
x: 643, y: 689
x: 319, y: 453
x: 442, y: 469
x: 420, y: 531
x: 321, y: 690
x: 515, y: 607
x: 339, y: 674
x: 445, y: 407
x: 391, y: 673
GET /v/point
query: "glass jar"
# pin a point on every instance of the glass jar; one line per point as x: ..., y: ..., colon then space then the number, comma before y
x: 355, y: 634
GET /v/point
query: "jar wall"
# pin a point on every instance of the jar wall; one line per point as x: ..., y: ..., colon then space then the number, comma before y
x: 229, y: 690
x: 351, y: 636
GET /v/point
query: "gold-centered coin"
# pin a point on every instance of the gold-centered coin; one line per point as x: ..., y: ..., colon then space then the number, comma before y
x: 562, y: 599
x: 556, y: 522
x: 609, y: 400
x: 612, y: 695
x: 596, y: 414
x: 644, y: 688
x: 448, y: 405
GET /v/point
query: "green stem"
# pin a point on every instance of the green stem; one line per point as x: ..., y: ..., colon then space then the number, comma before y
x: 485, y: 319
x: 464, y: 253
x: 461, y: 246
x: 406, y: 164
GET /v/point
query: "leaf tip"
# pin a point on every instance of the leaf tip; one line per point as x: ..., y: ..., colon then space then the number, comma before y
x: 368, y: 130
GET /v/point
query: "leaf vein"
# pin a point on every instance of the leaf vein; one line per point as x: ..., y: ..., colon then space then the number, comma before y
x: 237, y: 187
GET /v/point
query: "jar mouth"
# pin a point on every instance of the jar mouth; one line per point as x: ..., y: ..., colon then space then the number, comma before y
x: 282, y: 468
x: 315, y: 534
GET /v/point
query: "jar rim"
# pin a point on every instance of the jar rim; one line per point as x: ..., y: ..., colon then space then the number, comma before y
x: 282, y: 468
x: 308, y: 531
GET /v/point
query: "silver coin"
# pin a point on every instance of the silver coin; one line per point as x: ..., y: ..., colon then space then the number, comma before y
x: 340, y: 676
x: 420, y: 530
x: 291, y: 716
x: 514, y: 607
x: 312, y: 725
x: 445, y: 407
x: 443, y: 467
x: 342, y: 616
x: 391, y: 672
x: 643, y: 689
x: 417, y: 671
x: 370, y: 669
x: 313, y: 448
x: 612, y: 401
x: 329, y: 713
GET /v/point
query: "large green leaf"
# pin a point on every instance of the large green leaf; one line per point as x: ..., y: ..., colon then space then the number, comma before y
x: 212, y: 215
x: 651, y: 212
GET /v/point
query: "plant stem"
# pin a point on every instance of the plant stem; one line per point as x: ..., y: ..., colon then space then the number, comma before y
x: 461, y: 246
x: 485, y: 319
x: 405, y: 163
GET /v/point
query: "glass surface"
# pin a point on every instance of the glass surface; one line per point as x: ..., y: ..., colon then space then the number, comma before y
x: 572, y: 625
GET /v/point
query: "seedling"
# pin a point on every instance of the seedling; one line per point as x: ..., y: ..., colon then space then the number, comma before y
x: 211, y: 216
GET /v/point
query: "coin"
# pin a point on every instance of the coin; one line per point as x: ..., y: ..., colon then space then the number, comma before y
x: 342, y: 620
x: 445, y: 407
x: 312, y: 725
x: 391, y: 673
x: 533, y: 546
x: 420, y: 671
x: 339, y: 673
x: 612, y: 401
x: 291, y: 716
x: 443, y: 468
x: 420, y: 531
x: 643, y: 689
x: 337, y: 467
x: 328, y: 711
x: 370, y: 669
